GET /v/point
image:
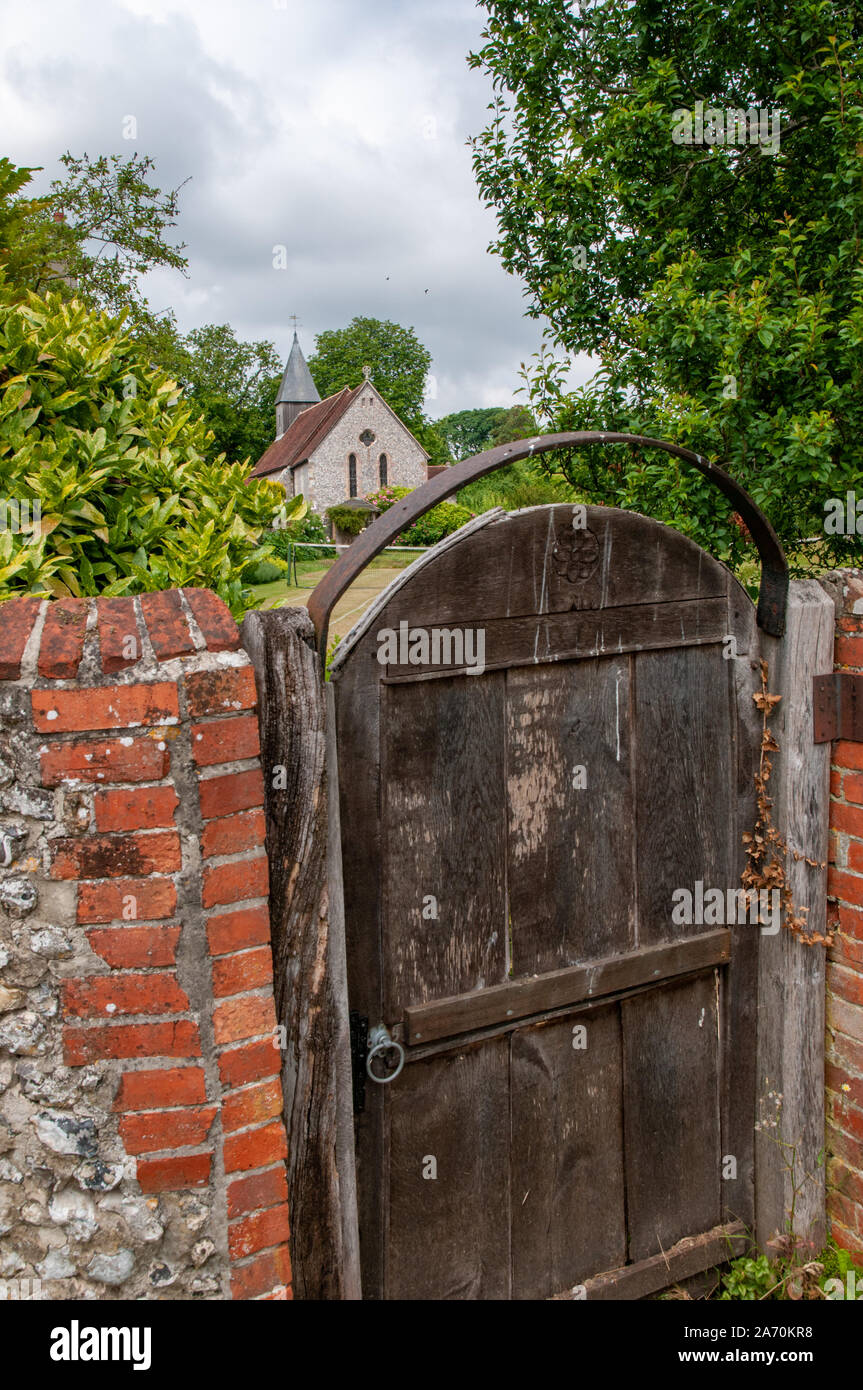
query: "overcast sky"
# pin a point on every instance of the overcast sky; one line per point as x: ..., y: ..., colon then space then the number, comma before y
x: 334, y: 128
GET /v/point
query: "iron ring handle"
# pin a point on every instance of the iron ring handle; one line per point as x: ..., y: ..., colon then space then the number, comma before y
x: 381, y: 1042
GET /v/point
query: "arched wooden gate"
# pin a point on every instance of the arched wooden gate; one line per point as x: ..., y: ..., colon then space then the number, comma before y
x: 546, y: 737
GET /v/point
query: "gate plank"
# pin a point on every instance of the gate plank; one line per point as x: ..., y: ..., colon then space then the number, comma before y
x: 444, y: 819
x: 685, y: 782
x: 560, y: 892
x: 449, y: 1235
x: 463, y: 1013
x: 567, y: 1154
x: 671, y: 1114
x: 572, y: 636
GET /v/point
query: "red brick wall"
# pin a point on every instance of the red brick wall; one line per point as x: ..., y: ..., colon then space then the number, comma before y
x: 135, y: 834
x: 844, y: 1061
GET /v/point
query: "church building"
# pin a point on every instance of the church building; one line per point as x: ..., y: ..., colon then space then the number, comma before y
x: 346, y: 446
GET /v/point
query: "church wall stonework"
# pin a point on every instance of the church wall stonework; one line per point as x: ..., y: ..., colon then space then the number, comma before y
x: 406, y: 459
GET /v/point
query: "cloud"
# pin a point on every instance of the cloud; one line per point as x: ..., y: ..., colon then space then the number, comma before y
x: 337, y: 130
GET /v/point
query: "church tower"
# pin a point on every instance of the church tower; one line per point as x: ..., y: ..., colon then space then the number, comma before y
x: 297, y: 391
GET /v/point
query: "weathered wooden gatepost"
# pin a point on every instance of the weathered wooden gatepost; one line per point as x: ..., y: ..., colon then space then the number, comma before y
x: 308, y: 954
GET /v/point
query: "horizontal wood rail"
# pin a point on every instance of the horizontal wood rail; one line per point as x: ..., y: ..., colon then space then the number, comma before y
x: 692, y: 1255
x: 462, y: 1013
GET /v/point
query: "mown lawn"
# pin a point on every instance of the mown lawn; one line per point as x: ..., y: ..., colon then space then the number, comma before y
x: 352, y: 605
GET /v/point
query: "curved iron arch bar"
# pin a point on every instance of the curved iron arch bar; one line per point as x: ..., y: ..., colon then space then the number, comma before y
x: 772, y: 593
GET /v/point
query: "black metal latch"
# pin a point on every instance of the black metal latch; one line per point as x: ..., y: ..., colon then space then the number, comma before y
x: 838, y: 707
x: 359, y: 1056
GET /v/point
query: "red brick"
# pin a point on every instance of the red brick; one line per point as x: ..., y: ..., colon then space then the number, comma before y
x: 259, y: 1232
x: 231, y: 883
x: 848, y: 1241
x: 17, y: 616
x: 846, y: 1018
x: 221, y: 691
x: 225, y: 740
x: 173, y: 1174
x: 252, y: 1106
x: 848, y: 819
x: 107, y: 856
x: 848, y: 887
x: 156, y: 1130
x: 167, y: 624
x: 126, y: 900
x: 262, y: 1274
x: 104, y: 707
x: 131, y: 948
x: 842, y: 1209
x: 836, y: 782
x: 854, y: 858
x: 119, y: 640
x: 172, y: 1039
x: 258, y: 1191
x: 847, y: 1053
x: 123, y: 994
x: 842, y: 1178
x: 846, y: 950
x: 232, y: 791
x: 255, y: 1148
x: 843, y: 1146
x: 243, y: 1017
x: 218, y: 628
x: 139, y: 808
x: 851, y: 920
x: 847, y: 1118
x: 161, y: 1088
x: 838, y: 1078
x: 104, y: 761
x: 236, y: 974
x: 854, y: 788
x: 845, y: 983
x: 233, y: 834
x: 849, y: 651
x: 250, y: 1062
x: 234, y: 931
x: 847, y: 755
x: 62, y: 643
x: 849, y: 622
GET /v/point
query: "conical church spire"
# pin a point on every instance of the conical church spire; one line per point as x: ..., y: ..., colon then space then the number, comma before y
x: 297, y: 390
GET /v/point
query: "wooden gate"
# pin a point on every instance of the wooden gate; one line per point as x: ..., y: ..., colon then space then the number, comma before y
x: 546, y: 742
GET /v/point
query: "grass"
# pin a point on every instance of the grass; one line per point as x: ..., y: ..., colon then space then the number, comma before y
x: 352, y: 604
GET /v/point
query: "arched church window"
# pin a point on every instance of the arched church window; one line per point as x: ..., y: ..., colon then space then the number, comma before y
x: 352, y: 475
x: 383, y: 470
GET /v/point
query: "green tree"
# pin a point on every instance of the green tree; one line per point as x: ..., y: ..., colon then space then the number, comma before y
x: 94, y: 234
x: 399, y: 364
x: 120, y: 466
x: 515, y: 423
x: 233, y: 384
x: 468, y: 432
x: 719, y: 282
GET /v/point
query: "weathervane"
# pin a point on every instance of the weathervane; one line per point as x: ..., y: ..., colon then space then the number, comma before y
x: 295, y: 321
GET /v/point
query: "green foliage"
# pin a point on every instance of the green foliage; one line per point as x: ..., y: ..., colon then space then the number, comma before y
x: 441, y: 521
x: 469, y: 432
x: 721, y: 284
x: 399, y: 363
x: 515, y: 423
x: 350, y: 520
x: 522, y: 484
x: 748, y: 1279
x: 131, y: 495
x: 310, y: 528
x: 102, y: 226
x: 233, y: 384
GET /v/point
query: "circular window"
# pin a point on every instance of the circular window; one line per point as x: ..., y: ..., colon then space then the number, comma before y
x: 367, y: 437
